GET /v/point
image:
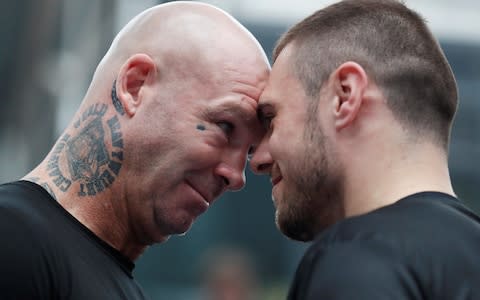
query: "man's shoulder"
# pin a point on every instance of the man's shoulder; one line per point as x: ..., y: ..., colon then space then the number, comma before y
x: 367, y: 268
x: 29, y: 224
x: 412, y: 219
x: 27, y: 247
x: 46, y: 255
x: 24, y: 206
x: 16, y: 193
x: 404, y: 243
x: 23, y: 219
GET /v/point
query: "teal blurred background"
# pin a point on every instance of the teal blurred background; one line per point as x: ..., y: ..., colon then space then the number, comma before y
x: 50, y: 49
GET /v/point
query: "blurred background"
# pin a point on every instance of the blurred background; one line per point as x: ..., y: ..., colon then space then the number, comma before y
x: 50, y: 49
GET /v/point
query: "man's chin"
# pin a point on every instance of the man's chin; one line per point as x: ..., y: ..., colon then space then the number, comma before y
x: 177, y: 232
x: 294, y: 228
x: 183, y: 229
x: 178, y: 229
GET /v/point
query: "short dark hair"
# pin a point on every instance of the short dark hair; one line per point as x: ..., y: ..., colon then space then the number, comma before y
x: 395, y: 47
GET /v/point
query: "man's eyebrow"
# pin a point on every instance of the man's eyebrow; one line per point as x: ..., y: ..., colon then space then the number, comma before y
x: 234, y: 111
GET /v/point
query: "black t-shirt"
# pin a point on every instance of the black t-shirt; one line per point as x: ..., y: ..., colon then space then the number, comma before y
x: 425, y: 246
x: 45, y: 253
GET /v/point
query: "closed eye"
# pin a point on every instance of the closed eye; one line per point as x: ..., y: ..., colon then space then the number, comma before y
x: 265, y: 115
x: 267, y: 122
x: 226, y: 127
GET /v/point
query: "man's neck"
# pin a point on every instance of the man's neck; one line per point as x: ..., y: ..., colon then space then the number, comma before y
x: 384, y: 179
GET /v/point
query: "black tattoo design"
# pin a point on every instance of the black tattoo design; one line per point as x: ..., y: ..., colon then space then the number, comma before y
x: 116, y: 102
x: 53, y: 168
x: 96, y: 110
x: 87, y: 151
x: 88, y: 159
x: 201, y: 127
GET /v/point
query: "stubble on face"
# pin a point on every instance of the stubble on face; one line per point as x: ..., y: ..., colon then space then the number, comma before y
x: 313, y: 201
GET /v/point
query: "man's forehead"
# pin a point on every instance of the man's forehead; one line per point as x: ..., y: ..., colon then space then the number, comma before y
x: 268, y: 96
x: 243, y: 107
x: 280, y: 76
x: 252, y: 86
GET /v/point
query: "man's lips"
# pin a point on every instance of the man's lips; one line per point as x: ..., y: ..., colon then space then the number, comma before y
x: 200, y: 204
x: 200, y: 192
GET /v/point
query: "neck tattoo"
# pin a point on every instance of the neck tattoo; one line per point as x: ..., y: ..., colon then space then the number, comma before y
x: 116, y: 102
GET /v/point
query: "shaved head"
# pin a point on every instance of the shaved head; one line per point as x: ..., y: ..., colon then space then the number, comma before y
x: 183, y: 37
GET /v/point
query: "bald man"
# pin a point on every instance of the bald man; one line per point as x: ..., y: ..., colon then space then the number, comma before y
x: 163, y: 130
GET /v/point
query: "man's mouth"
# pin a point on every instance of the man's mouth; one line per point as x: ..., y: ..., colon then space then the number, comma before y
x: 203, y: 194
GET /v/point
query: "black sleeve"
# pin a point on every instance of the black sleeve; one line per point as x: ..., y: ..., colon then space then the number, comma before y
x: 354, y: 270
x: 25, y: 272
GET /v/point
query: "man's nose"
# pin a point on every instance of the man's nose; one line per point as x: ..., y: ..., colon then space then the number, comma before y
x: 261, y: 160
x: 232, y: 170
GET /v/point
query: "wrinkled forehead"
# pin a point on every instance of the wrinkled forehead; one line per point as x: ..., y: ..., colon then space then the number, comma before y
x: 240, y: 82
x: 252, y: 84
x: 242, y: 110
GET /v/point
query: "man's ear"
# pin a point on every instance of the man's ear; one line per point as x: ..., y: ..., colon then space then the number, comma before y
x: 132, y: 77
x: 350, y: 81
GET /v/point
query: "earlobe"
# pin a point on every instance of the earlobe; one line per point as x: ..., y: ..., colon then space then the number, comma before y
x: 132, y: 77
x: 350, y: 81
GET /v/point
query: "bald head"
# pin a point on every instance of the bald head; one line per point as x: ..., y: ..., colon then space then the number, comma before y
x: 184, y: 37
